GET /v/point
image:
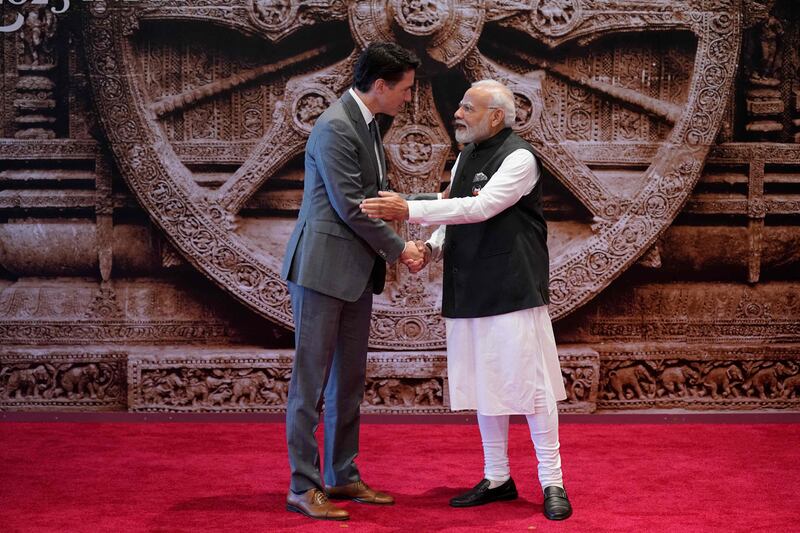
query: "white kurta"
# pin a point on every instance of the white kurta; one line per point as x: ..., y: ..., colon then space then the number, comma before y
x: 495, y: 364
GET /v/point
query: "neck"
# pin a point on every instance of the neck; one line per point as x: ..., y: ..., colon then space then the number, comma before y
x: 369, y: 100
x: 492, y: 133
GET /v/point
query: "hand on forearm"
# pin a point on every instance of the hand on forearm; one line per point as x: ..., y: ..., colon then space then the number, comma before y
x: 390, y: 206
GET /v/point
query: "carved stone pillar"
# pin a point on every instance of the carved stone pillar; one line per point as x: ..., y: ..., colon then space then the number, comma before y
x: 35, y: 101
x: 764, y: 108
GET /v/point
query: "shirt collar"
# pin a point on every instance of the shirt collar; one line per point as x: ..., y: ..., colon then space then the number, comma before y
x: 365, y: 112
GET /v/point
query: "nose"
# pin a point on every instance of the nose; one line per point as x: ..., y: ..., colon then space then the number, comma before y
x: 459, y: 114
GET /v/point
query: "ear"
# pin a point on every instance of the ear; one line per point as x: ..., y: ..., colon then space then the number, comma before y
x: 496, y: 117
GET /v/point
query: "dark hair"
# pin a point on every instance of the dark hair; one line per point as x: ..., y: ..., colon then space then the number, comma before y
x: 387, y: 61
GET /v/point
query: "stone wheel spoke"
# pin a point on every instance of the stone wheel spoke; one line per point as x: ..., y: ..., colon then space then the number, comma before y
x: 306, y: 97
x: 195, y: 95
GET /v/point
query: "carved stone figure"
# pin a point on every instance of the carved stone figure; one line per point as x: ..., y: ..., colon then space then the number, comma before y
x: 395, y: 392
x: 674, y: 379
x: 247, y: 388
x: 577, y: 383
x: 309, y: 108
x: 791, y: 386
x: 771, y: 30
x: 276, y: 391
x: 26, y: 381
x: 38, y: 32
x: 273, y: 13
x: 219, y: 397
x: 553, y: 11
x: 719, y: 381
x: 428, y: 392
x: 631, y: 379
x: 420, y: 11
x: 80, y: 380
x: 196, y: 391
x: 162, y: 387
x: 766, y: 381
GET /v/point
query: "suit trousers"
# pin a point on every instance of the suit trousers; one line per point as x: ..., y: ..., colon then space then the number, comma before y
x: 329, y: 369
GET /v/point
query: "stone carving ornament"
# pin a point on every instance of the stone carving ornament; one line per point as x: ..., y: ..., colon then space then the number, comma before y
x: 203, y: 224
x: 672, y: 383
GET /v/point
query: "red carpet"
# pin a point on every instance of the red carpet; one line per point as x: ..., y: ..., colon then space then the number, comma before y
x: 233, y: 477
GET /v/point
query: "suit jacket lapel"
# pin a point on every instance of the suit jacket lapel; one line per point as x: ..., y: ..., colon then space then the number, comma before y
x: 351, y: 107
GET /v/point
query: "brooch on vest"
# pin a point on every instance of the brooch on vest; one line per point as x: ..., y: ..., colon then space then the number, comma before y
x: 478, y: 182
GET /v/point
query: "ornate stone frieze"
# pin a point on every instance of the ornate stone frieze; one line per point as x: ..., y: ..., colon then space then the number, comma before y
x: 49, y: 379
x: 252, y: 380
x: 699, y: 377
x: 83, y: 312
x: 691, y: 313
x: 228, y: 380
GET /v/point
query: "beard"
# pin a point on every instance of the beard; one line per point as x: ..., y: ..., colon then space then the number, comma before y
x: 479, y: 132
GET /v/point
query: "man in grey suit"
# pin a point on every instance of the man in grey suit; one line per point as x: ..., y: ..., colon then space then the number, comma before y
x: 335, y: 260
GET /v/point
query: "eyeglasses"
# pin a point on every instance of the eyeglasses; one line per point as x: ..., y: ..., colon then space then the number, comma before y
x: 469, y: 108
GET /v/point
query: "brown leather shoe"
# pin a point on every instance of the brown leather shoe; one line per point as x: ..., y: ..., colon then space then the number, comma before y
x: 360, y: 492
x: 314, y: 504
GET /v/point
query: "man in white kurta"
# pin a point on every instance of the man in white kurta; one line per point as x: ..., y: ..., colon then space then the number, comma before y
x: 505, y: 363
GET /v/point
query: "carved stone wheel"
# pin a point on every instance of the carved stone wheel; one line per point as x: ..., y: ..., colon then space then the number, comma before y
x: 615, y: 75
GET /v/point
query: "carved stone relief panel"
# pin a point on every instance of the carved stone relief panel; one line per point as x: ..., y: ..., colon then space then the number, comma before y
x: 58, y: 379
x: 220, y: 380
x: 580, y: 369
x: 245, y: 379
x: 153, y: 313
x: 735, y: 378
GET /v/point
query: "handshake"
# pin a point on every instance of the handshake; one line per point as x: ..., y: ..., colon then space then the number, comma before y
x: 415, y: 256
x: 392, y: 206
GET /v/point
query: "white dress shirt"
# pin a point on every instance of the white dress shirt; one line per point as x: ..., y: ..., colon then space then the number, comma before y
x: 368, y: 117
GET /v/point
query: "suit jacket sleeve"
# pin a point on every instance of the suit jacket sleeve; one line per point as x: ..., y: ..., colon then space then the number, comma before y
x: 337, y: 161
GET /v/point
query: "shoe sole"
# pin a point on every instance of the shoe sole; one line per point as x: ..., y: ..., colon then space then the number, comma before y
x: 294, y: 509
x: 558, y: 517
x: 504, y: 498
x: 359, y: 500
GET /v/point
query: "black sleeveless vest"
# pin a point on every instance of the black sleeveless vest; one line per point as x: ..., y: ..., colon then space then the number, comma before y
x: 502, y: 264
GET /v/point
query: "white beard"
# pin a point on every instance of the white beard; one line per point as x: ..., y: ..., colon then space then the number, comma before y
x: 465, y: 135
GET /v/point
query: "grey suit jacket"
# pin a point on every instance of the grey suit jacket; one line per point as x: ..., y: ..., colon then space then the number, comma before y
x: 334, y: 246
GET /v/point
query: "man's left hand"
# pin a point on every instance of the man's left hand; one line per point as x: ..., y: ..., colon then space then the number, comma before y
x: 390, y: 206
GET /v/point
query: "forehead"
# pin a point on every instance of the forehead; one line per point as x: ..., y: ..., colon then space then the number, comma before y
x: 476, y: 96
x: 406, y: 81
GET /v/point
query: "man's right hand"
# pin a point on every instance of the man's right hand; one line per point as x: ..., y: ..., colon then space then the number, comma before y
x: 426, y: 257
x: 413, y: 257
